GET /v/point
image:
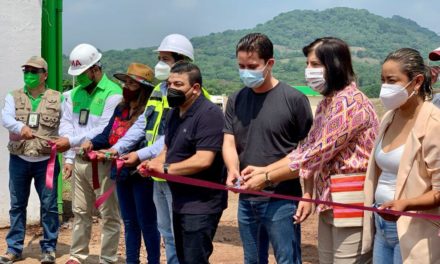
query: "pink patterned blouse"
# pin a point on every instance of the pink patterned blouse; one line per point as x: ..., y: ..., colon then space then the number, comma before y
x: 340, y: 140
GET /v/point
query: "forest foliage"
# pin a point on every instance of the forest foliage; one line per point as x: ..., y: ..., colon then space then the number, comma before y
x: 371, y: 38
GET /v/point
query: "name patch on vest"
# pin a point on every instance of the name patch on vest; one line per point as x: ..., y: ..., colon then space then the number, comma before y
x: 33, y: 120
x: 83, y: 117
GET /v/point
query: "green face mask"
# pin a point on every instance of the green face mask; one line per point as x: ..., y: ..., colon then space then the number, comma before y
x: 32, y: 80
x: 83, y: 80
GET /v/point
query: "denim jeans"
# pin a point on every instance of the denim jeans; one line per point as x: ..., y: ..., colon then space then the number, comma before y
x: 276, y: 217
x: 193, y: 234
x: 163, y: 201
x: 135, y: 195
x: 386, y: 242
x: 263, y: 246
x: 21, y: 173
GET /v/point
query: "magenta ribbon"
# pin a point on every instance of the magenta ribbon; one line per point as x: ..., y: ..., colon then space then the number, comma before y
x: 217, y: 186
x: 51, y: 165
x: 104, y: 197
x: 95, y: 177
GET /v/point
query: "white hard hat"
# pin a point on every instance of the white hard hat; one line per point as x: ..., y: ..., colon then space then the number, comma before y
x: 177, y: 43
x: 83, y: 57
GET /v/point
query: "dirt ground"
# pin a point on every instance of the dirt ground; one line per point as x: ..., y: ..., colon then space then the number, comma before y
x: 227, y: 244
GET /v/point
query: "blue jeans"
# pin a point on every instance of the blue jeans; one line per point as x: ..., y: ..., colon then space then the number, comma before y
x: 277, y: 219
x: 135, y: 195
x: 193, y: 234
x: 163, y: 201
x: 386, y: 248
x: 21, y: 173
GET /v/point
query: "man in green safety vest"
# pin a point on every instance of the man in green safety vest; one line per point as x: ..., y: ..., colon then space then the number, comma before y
x: 87, y: 111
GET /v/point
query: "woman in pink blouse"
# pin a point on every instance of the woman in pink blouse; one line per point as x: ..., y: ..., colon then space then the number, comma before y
x: 333, y: 159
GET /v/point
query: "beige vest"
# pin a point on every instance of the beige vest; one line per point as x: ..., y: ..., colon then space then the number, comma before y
x: 49, y: 111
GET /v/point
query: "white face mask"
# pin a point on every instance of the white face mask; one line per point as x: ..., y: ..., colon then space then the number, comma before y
x: 162, y: 71
x: 394, y: 95
x: 315, y: 79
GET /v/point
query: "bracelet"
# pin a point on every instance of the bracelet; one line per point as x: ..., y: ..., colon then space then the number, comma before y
x: 268, y: 182
x: 165, y: 168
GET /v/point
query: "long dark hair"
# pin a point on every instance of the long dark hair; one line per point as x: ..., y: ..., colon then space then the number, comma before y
x: 412, y: 64
x: 144, y: 94
x: 335, y: 55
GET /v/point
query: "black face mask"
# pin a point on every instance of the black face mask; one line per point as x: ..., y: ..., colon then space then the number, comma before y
x: 130, y: 95
x: 175, y: 97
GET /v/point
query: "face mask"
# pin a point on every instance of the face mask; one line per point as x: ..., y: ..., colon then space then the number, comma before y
x: 162, y: 71
x: 175, y: 97
x: 130, y: 95
x: 252, y: 78
x: 315, y: 79
x: 83, y: 80
x: 31, y: 80
x: 394, y: 95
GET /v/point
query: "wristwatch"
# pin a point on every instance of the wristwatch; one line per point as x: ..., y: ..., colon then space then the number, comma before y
x: 165, y: 168
x: 268, y: 182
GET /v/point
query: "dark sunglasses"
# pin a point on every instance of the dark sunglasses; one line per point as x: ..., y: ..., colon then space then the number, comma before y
x: 33, y: 70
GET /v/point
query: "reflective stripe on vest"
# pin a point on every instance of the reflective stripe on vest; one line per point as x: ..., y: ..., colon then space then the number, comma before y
x: 154, y: 115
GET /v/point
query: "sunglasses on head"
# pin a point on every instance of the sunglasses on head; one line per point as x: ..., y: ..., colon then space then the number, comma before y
x: 33, y: 70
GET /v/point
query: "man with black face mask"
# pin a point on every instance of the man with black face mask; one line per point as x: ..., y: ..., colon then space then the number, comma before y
x: 150, y: 126
x: 87, y: 110
x: 193, y: 142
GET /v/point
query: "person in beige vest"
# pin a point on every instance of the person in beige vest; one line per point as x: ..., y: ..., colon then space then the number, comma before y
x: 32, y: 116
x: 404, y: 168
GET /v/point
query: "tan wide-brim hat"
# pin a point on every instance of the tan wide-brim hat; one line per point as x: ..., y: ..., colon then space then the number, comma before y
x: 138, y: 72
x: 435, y: 54
x: 36, y: 62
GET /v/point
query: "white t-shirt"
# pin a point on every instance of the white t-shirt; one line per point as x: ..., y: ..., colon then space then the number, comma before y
x: 388, y: 162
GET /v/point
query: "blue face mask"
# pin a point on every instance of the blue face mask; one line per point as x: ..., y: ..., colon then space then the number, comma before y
x: 252, y: 78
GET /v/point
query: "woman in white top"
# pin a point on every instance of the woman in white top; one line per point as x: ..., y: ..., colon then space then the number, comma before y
x: 404, y: 172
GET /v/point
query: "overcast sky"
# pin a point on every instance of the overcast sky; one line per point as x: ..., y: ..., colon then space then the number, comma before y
x: 120, y: 24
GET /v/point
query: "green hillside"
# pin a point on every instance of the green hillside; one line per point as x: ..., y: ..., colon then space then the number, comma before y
x: 371, y: 38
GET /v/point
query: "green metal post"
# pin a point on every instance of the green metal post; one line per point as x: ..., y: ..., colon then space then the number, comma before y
x: 51, y: 50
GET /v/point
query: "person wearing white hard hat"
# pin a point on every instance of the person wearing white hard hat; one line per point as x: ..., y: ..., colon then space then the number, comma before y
x: 150, y: 126
x: 87, y: 110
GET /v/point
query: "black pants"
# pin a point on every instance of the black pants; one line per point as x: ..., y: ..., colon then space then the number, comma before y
x: 193, y: 235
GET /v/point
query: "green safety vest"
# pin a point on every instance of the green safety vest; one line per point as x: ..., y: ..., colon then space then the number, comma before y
x: 94, y: 102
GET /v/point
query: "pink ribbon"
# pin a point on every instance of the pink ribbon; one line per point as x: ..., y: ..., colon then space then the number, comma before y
x: 119, y: 163
x: 104, y: 197
x: 217, y: 186
x: 95, y: 177
x: 51, y: 165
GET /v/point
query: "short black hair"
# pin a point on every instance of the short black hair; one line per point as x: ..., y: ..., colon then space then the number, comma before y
x: 179, y: 57
x: 256, y: 42
x: 335, y: 55
x: 194, y: 74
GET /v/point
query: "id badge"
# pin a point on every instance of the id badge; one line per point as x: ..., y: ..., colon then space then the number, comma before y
x: 83, y: 117
x: 33, y: 120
